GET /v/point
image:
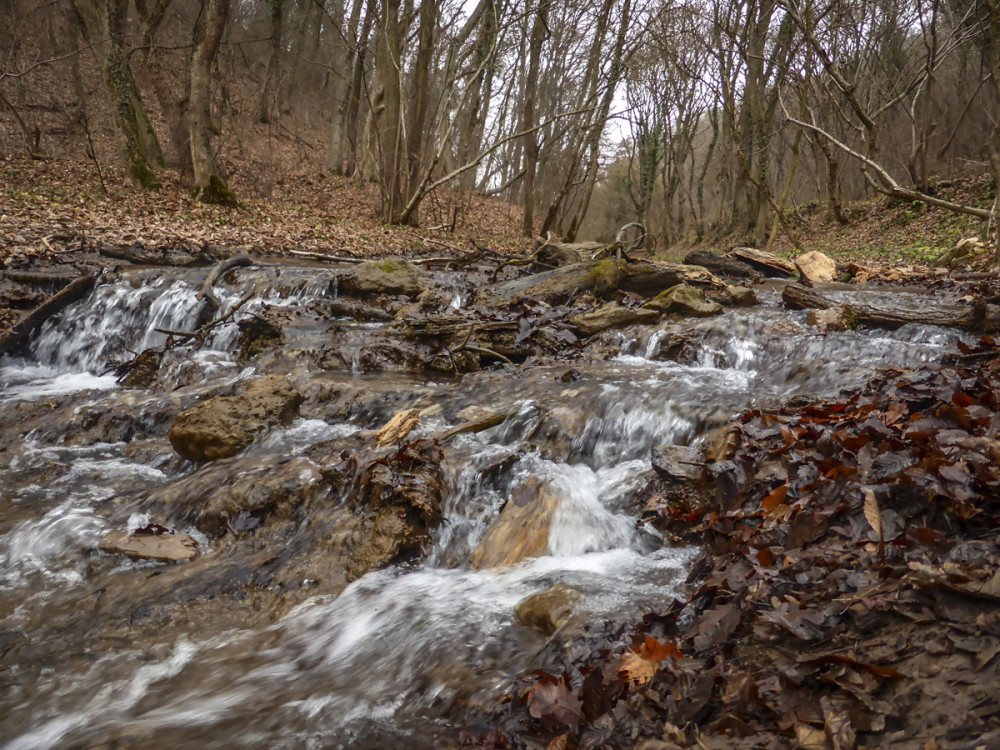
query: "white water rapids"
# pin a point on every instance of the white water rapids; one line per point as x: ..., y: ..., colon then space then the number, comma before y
x: 385, y: 662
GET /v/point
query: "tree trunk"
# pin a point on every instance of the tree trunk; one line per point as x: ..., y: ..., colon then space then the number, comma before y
x: 105, y: 27
x: 388, y: 65
x: 275, y: 17
x: 538, y: 34
x: 418, y: 118
x: 208, y: 186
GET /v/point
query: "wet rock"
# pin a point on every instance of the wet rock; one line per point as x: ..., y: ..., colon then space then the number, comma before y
x: 558, y: 428
x: 521, y: 531
x: 240, y: 494
x: 784, y: 328
x: 611, y: 315
x: 721, y: 443
x: 139, y: 372
x: 399, y: 497
x: 768, y: 264
x: 685, y: 300
x: 680, y: 463
x: 816, y: 267
x: 833, y: 319
x: 391, y: 276
x: 258, y: 334
x: 741, y: 296
x: 548, y: 610
x: 222, y: 427
x: 163, y: 547
x: 720, y: 265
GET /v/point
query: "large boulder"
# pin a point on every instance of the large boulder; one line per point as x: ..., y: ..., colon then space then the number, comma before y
x: 222, y: 427
x: 521, y: 531
x: 816, y: 267
x: 611, y: 315
x: 685, y: 300
x: 391, y: 276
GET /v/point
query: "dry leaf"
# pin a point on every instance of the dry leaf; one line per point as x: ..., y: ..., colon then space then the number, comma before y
x: 874, y: 516
x: 775, y: 498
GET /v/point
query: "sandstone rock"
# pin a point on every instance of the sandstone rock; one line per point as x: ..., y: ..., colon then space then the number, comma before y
x: 392, y: 276
x: 521, y: 531
x: 685, y: 300
x: 611, y: 315
x: 838, y: 318
x: 682, y: 463
x: 741, y: 296
x: 223, y: 426
x: 163, y: 547
x: 548, y: 610
x: 816, y: 267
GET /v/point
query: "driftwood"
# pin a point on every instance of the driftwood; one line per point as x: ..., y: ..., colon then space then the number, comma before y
x: 237, y: 261
x: 478, y: 425
x: 976, y: 318
x: 720, y: 265
x: 15, y: 340
x: 767, y: 263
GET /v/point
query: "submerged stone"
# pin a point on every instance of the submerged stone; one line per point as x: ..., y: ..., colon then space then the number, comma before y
x: 162, y: 547
x: 548, y: 610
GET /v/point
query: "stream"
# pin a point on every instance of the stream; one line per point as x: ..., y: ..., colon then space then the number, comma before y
x: 101, y: 651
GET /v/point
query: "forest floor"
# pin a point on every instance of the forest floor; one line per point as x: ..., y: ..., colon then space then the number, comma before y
x: 848, y: 594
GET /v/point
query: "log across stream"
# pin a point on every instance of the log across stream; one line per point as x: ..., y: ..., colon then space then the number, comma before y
x: 355, y: 586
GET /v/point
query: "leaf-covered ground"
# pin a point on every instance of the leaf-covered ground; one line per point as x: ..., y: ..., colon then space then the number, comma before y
x: 848, y: 594
x: 50, y: 206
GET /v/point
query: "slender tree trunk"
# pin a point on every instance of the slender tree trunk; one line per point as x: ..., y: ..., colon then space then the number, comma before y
x: 418, y: 117
x: 275, y: 17
x: 349, y: 144
x: 104, y: 27
x: 388, y: 62
x: 538, y: 33
x: 208, y: 186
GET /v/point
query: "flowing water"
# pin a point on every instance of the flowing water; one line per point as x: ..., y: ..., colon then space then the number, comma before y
x: 389, y: 660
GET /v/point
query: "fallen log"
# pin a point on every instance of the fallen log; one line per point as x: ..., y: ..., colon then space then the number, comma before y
x: 979, y: 317
x: 602, y: 278
x: 56, y: 278
x: 768, y: 264
x: 720, y: 265
x: 137, y: 254
x: 16, y: 339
